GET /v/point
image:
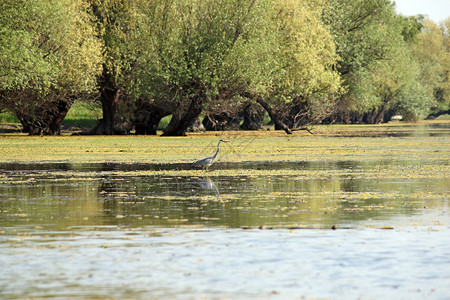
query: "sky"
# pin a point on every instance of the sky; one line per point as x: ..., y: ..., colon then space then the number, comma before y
x: 436, y: 10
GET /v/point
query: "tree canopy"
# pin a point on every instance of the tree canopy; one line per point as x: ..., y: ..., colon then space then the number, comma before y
x: 303, y: 61
x: 432, y: 52
x: 48, y: 53
x: 198, y: 52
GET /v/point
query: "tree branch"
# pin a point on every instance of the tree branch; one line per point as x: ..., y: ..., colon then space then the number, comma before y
x: 302, y: 128
x: 270, y: 111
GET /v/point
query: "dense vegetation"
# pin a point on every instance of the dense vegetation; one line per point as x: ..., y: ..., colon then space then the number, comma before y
x: 300, y: 61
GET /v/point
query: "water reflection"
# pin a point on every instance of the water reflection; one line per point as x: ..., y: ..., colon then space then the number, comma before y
x: 205, y: 183
x: 16, y: 169
x: 74, y: 235
x: 231, y: 201
x: 109, y: 230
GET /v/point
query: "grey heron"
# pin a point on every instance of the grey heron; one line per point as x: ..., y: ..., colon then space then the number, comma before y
x: 208, y: 161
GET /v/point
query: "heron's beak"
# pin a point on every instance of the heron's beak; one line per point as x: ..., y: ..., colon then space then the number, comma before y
x: 226, y: 141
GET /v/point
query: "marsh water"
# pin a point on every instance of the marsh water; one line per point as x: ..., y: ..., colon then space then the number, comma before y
x: 319, y: 229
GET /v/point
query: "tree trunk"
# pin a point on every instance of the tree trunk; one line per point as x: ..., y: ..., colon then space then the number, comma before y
x: 380, y: 115
x: 273, y: 116
x: 433, y: 116
x: 147, y: 118
x: 180, y: 122
x: 110, y: 97
x: 197, y: 126
x: 253, y: 117
x: 110, y: 101
x: 222, y: 121
x: 46, y: 121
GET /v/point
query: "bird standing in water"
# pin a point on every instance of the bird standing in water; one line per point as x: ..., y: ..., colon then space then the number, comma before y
x: 208, y: 161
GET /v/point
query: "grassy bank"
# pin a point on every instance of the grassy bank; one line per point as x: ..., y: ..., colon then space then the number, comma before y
x: 83, y: 115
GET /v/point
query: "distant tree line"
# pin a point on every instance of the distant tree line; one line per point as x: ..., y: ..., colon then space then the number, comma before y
x: 302, y: 62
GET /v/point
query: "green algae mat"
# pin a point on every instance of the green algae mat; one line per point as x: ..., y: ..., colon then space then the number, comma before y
x: 424, y: 141
x: 276, y: 216
x: 338, y: 173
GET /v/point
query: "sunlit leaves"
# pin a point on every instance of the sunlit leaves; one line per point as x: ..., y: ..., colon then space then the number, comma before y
x: 198, y: 48
x: 47, y: 46
x: 117, y: 24
x: 216, y: 50
x: 376, y: 63
x: 432, y: 51
x: 306, y: 49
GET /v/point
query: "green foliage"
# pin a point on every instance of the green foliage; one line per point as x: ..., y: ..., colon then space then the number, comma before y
x: 22, y: 61
x: 47, y: 44
x: 379, y: 69
x: 358, y: 53
x: 400, y: 88
x: 361, y: 30
x: 164, y: 122
x: 217, y: 50
x: 83, y: 114
x: 411, y: 27
x: 48, y: 50
x: 117, y: 24
x: 432, y: 51
x: 197, y: 48
x: 306, y: 51
x: 6, y: 117
x: 307, y: 55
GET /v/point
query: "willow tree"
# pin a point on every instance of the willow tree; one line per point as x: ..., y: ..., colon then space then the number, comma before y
x: 432, y: 51
x: 192, y: 53
x: 198, y: 52
x: 401, y: 83
x: 118, y: 26
x: 381, y: 75
x: 366, y: 33
x: 301, y: 89
x: 49, y: 56
x: 398, y: 88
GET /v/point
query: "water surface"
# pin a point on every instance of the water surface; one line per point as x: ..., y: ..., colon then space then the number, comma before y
x: 372, y: 228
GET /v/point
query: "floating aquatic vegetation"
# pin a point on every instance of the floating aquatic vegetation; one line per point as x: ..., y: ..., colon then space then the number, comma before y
x: 341, y: 174
x: 331, y: 143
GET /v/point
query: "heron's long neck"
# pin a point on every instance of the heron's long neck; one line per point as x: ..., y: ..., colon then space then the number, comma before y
x: 218, y: 149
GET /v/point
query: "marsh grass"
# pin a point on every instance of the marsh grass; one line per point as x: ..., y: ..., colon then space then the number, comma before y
x: 164, y: 122
x: 7, y: 118
x: 83, y: 115
x: 80, y: 115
